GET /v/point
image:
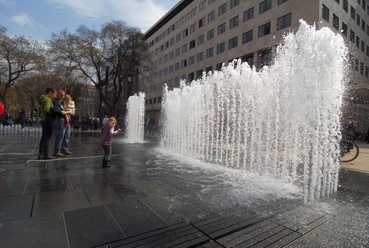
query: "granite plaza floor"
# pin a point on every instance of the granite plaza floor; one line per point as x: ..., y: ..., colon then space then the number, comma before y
x: 146, y: 201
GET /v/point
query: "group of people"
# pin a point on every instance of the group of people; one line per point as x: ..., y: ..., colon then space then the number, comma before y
x: 56, y: 109
x: 153, y: 125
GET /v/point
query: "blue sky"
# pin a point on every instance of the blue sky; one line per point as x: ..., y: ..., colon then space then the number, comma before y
x: 38, y: 19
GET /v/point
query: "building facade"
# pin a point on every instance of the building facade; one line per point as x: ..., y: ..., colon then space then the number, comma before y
x: 197, y: 36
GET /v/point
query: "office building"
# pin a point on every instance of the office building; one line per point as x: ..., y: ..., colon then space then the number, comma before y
x: 198, y: 36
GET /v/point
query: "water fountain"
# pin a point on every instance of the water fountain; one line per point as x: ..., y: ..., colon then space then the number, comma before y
x: 282, y: 121
x: 135, y: 118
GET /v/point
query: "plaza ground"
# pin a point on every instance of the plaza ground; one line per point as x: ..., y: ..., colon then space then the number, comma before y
x: 146, y: 201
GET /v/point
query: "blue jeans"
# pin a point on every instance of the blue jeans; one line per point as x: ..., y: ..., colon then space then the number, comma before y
x: 107, y: 152
x: 62, y: 136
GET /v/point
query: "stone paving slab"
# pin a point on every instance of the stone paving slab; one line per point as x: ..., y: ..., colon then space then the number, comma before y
x: 73, y: 202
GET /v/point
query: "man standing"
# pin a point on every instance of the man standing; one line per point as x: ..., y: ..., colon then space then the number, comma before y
x: 47, y: 112
x: 61, y: 142
x: 22, y: 116
x: 151, y: 125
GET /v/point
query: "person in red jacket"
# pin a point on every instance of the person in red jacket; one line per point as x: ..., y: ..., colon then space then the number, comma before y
x: 2, y: 107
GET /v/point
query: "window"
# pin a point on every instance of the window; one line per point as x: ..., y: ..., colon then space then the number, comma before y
x: 234, y: 3
x: 336, y: 22
x: 352, y: 36
x: 221, y: 48
x: 221, y: 28
x: 358, y: 20
x: 362, y: 46
x: 185, y: 33
x: 281, y: 1
x: 191, y: 76
x: 193, y: 12
x: 367, y: 50
x: 363, y: 24
x: 209, y: 52
x: 192, y: 28
x: 191, y: 60
x: 249, y: 59
x: 345, y: 5
x: 202, y: 22
x: 192, y: 44
x: 171, y: 55
x: 353, y: 13
x: 198, y: 74
x: 210, y: 34
x: 344, y: 29
x: 247, y: 36
x: 266, y: 57
x: 202, y: 5
x: 222, y: 9
x: 200, y: 40
x: 248, y: 14
x: 233, y: 22
x: 211, y: 16
x: 200, y: 56
x: 358, y: 41
x: 265, y: 6
x: 184, y: 48
x: 325, y: 13
x: 178, y: 37
x: 264, y: 30
x: 184, y: 63
x: 232, y: 43
x: 176, y: 66
x: 284, y: 21
x: 178, y: 52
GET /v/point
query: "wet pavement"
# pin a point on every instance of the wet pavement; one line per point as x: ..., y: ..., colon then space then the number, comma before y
x: 148, y: 200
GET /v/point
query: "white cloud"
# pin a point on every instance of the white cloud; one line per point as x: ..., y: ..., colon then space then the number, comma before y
x: 136, y: 13
x: 142, y: 14
x: 23, y: 20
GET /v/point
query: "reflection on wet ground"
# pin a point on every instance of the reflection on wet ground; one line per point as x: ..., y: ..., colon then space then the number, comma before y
x: 152, y: 198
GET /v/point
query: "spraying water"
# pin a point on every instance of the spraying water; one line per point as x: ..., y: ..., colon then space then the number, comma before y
x: 135, y: 118
x: 282, y: 121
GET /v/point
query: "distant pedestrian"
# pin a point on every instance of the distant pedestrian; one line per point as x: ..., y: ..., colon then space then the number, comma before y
x: 151, y: 125
x: 22, y: 116
x: 2, y: 107
x: 105, y: 119
x: 106, y: 139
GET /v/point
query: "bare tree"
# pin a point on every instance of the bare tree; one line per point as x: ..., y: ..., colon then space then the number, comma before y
x: 32, y: 87
x: 18, y: 56
x: 107, y: 58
